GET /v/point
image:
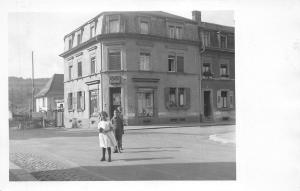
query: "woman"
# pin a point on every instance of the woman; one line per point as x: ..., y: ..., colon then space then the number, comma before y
x: 107, y: 139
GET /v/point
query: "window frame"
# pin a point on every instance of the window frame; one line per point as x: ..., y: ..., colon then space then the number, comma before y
x: 145, y: 91
x: 145, y: 54
x: 93, y: 59
x: 226, y: 75
x: 141, y: 28
x: 176, y: 55
x: 79, y: 69
x: 70, y: 71
x: 70, y: 101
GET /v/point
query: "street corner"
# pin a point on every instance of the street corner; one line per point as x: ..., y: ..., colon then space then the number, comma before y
x: 223, y: 138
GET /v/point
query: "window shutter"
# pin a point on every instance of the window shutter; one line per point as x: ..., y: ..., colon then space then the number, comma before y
x: 114, y: 60
x: 167, y: 91
x: 188, y: 97
x: 230, y: 99
x: 219, y: 103
x: 180, y: 64
x: 74, y: 101
x: 78, y: 101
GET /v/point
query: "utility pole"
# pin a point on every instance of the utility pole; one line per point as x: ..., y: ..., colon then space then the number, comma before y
x: 33, y: 108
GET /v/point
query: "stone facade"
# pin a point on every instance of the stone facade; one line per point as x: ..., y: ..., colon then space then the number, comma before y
x: 148, y: 63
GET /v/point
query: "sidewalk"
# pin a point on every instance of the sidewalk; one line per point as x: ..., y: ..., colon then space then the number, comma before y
x: 18, y: 174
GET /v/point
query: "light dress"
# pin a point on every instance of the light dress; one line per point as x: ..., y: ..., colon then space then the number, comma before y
x: 106, y: 139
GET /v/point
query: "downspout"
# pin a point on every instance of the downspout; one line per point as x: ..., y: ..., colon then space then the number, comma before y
x: 202, y: 50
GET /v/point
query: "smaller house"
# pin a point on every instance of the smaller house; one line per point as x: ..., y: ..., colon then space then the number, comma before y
x: 51, y: 94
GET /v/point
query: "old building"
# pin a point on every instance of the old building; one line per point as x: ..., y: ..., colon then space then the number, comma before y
x: 218, y: 71
x: 146, y: 62
x: 51, y: 96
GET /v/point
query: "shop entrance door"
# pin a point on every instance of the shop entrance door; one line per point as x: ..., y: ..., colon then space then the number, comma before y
x: 115, y: 100
x: 207, y: 105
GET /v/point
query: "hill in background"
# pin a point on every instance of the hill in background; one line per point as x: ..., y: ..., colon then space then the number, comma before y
x: 20, y: 92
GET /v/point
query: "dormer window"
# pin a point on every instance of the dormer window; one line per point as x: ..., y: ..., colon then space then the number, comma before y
x: 92, y: 34
x: 78, y: 39
x: 113, y: 24
x: 70, y: 42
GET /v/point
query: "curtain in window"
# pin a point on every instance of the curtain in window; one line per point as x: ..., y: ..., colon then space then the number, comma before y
x: 145, y: 103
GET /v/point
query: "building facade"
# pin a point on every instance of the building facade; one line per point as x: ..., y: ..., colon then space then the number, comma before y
x: 146, y: 62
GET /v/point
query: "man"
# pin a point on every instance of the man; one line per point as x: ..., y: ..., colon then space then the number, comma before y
x: 117, y: 123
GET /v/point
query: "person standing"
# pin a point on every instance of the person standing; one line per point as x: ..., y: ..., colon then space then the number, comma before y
x: 118, y: 130
x: 107, y: 139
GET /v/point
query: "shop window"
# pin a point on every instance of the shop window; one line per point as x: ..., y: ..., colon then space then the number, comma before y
x: 80, y: 101
x: 79, y: 69
x: 114, y: 60
x: 93, y: 65
x: 145, y: 61
x: 145, y: 102
x: 144, y: 27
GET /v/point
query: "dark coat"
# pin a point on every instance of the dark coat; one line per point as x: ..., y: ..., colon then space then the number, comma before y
x: 117, y: 123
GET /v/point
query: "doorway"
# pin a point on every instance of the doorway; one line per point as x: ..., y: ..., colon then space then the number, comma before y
x: 207, y: 104
x: 115, y: 99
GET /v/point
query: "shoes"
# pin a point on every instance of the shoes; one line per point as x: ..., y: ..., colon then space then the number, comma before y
x: 116, y: 151
x: 103, y: 159
x: 109, y: 160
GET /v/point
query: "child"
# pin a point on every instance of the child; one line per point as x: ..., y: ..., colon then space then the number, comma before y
x: 118, y: 129
x: 106, y: 136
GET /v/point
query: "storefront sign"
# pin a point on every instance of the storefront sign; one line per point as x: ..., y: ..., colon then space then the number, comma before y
x: 114, y: 79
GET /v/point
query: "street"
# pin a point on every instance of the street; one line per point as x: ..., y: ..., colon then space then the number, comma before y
x: 181, y: 153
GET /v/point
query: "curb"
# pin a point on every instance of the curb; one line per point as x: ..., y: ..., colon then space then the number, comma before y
x: 19, y: 173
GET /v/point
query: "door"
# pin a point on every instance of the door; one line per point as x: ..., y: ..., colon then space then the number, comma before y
x: 115, y: 99
x: 207, y: 104
x: 93, y: 97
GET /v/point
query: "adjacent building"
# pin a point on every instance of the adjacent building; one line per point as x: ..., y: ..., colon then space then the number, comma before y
x: 149, y: 63
x: 51, y: 96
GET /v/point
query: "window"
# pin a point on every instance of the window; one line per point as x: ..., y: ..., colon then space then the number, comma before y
x: 206, y: 70
x: 177, y: 98
x: 114, y: 60
x: 92, y: 32
x: 175, y: 32
x: 145, y: 102
x: 225, y: 99
x: 78, y: 39
x: 171, y: 32
x: 171, y: 63
x: 230, y: 41
x: 44, y: 100
x: 70, y: 42
x: 93, y: 65
x: 205, y: 39
x: 145, y: 61
x: 223, y: 41
x: 214, y: 36
x: 70, y: 72
x: 144, y: 27
x: 80, y: 100
x: 113, y: 25
x: 70, y: 101
x: 178, y: 32
x: 93, y: 101
x: 172, y: 97
x: 175, y: 63
x: 224, y: 70
x: 181, y: 97
x: 79, y: 65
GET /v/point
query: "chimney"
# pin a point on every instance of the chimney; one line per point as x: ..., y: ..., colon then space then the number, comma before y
x: 196, y: 16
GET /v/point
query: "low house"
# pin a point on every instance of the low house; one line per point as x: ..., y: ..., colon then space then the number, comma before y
x: 47, y: 100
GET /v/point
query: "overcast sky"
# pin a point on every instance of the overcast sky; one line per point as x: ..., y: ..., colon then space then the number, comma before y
x: 43, y: 33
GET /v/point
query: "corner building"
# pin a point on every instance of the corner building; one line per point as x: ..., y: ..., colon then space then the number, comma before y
x: 146, y: 62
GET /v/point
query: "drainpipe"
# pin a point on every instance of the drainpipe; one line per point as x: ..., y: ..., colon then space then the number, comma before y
x: 201, y: 51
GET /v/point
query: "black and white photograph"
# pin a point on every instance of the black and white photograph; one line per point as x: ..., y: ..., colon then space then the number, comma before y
x: 133, y: 95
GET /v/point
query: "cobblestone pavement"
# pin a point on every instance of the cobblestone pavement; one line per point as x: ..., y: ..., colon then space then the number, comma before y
x: 152, y: 154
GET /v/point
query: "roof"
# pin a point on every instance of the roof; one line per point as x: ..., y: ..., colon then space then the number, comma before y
x: 54, y: 86
x: 213, y: 26
x: 153, y: 13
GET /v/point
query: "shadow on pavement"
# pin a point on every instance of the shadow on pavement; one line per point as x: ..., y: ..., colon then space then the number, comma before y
x: 169, y: 171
